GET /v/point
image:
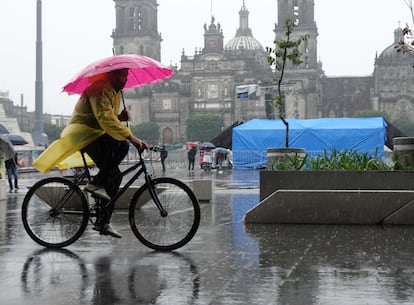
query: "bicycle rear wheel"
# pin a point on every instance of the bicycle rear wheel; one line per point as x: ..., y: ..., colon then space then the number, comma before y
x: 165, y: 232
x: 55, y: 212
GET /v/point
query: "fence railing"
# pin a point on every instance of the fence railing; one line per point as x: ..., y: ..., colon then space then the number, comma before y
x: 253, y: 159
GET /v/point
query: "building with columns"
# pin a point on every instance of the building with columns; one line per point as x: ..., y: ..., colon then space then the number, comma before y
x: 206, y: 81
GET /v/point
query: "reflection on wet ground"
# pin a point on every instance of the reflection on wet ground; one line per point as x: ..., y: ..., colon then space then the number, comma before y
x: 226, y: 262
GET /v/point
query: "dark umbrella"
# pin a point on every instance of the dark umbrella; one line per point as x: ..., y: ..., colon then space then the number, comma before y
x: 16, y: 139
x: 6, y: 147
x: 220, y: 150
x: 3, y: 129
x: 207, y: 145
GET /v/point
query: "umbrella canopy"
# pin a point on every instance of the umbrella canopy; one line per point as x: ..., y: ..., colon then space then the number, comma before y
x: 221, y: 150
x: 143, y: 70
x: 16, y: 139
x: 6, y: 147
x: 3, y: 129
x: 207, y: 145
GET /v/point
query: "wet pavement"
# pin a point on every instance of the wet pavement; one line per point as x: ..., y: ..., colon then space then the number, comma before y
x: 226, y: 262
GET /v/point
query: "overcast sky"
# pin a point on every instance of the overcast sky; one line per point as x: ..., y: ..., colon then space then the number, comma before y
x: 77, y: 32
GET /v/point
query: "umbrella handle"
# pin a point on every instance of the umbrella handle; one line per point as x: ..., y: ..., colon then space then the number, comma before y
x: 123, y: 103
x: 122, y: 91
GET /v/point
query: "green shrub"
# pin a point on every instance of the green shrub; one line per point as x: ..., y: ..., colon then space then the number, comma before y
x: 290, y: 162
x: 402, y: 160
x: 336, y: 160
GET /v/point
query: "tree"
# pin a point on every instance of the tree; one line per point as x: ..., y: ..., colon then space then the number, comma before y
x: 53, y: 131
x: 204, y: 127
x: 149, y: 132
x: 406, y: 44
x: 284, y: 51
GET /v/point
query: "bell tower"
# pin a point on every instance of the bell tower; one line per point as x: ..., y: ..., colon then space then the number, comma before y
x: 302, y: 12
x: 304, y: 79
x: 136, y: 28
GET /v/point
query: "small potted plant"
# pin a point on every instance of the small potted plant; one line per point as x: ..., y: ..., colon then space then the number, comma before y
x: 285, y: 51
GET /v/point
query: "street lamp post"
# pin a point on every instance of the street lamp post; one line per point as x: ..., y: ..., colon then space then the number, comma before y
x: 39, y: 137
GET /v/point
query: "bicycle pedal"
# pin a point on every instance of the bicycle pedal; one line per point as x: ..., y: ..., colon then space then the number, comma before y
x: 98, y: 229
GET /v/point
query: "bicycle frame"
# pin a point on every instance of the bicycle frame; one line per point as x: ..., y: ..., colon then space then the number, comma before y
x: 121, y: 191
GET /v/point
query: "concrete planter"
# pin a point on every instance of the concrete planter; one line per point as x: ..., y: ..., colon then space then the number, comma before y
x: 334, y: 197
x: 271, y: 181
x: 203, y: 189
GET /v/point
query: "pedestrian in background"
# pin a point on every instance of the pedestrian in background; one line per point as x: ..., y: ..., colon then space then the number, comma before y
x: 163, y: 155
x: 12, y: 175
x: 191, y: 154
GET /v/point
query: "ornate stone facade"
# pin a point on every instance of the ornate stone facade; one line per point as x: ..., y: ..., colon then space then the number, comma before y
x: 393, y: 82
x: 206, y: 81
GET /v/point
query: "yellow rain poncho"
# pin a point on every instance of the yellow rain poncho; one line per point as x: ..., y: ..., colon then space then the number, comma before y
x: 75, y: 160
x: 95, y: 113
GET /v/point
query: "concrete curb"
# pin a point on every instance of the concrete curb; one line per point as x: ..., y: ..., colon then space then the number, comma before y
x: 334, y: 207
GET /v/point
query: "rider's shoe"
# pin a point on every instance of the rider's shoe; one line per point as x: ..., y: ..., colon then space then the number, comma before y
x: 107, y: 229
x: 97, y: 190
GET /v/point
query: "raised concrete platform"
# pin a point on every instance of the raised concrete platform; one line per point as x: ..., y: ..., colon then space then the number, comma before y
x: 334, y: 207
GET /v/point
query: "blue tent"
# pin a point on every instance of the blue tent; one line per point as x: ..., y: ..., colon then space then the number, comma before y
x: 253, y: 138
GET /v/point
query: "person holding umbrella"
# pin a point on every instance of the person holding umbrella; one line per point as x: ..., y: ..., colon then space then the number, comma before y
x: 109, y: 149
x: 96, y: 123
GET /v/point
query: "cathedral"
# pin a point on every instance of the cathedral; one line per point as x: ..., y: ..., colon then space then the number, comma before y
x: 206, y: 82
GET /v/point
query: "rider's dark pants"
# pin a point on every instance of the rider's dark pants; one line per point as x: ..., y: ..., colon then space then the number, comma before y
x: 107, y: 153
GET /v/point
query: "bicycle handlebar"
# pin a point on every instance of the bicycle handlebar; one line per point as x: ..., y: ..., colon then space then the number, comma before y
x: 139, y: 148
x: 154, y: 148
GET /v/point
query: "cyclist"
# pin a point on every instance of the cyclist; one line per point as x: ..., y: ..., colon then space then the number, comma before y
x: 96, y: 127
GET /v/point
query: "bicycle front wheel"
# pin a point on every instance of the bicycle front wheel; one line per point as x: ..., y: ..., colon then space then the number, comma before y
x: 55, y: 212
x: 172, y: 229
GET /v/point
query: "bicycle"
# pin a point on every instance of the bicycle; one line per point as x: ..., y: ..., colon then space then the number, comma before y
x: 164, y: 213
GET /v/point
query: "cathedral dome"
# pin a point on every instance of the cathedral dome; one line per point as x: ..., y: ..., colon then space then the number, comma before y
x: 243, y: 43
x: 244, y: 39
x: 389, y: 56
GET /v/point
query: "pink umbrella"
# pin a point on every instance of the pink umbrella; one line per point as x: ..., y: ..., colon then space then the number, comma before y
x: 142, y: 71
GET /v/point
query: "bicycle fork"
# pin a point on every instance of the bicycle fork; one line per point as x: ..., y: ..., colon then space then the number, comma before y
x: 154, y: 196
x: 57, y: 209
